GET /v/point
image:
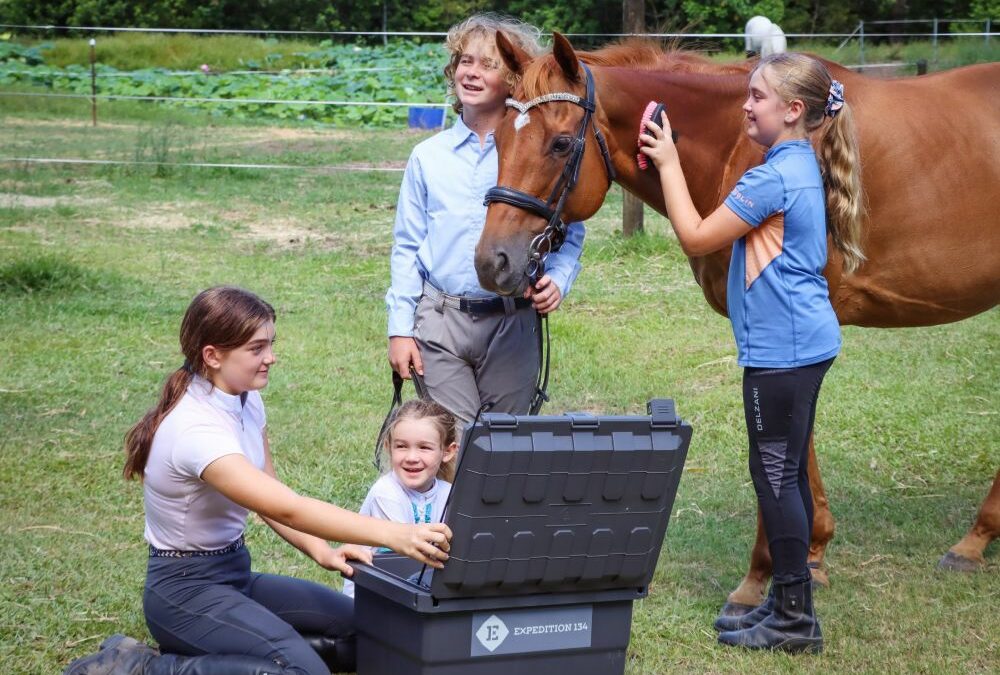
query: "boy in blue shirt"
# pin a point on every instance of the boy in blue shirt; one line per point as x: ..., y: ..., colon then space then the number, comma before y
x: 471, y: 346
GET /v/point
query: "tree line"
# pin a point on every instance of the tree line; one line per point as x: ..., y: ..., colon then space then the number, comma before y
x: 570, y: 16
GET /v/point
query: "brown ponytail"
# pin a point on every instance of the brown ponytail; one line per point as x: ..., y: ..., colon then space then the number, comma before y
x: 224, y: 317
x: 139, y: 438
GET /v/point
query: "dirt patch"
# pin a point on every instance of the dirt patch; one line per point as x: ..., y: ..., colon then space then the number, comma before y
x: 18, y: 201
x: 35, y: 124
x: 160, y: 219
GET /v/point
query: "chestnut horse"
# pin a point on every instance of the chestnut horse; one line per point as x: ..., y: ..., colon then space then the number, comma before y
x: 930, y: 173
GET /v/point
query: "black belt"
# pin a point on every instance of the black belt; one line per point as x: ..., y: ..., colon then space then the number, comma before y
x: 162, y: 553
x: 493, y: 305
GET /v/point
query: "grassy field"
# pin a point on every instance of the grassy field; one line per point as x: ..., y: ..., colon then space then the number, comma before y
x: 98, y: 263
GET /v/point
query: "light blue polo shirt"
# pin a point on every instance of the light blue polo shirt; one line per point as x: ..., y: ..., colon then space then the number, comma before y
x: 777, y: 296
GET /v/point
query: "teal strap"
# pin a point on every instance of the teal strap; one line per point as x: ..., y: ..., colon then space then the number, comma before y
x: 427, y: 513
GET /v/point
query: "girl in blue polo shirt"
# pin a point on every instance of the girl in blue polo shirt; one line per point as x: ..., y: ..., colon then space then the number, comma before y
x: 777, y: 219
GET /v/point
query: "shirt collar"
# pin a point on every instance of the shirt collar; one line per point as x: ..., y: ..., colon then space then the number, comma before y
x: 786, y: 146
x: 230, y: 403
x: 413, y: 495
x: 461, y: 134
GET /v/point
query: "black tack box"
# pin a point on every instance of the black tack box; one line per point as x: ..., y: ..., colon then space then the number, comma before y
x: 558, y: 522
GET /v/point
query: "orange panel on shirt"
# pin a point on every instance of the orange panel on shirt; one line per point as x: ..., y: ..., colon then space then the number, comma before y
x: 764, y: 245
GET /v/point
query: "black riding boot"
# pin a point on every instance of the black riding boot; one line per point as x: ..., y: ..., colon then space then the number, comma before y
x: 339, y: 654
x: 211, y: 664
x: 751, y: 618
x: 122, y: 655
x: 791, y: 627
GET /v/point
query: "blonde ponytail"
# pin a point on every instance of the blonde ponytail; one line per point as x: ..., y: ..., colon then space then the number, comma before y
x: 839, y: 160
x: 797, y: 76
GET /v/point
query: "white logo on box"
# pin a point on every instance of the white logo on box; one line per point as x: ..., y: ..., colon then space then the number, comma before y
x: 492, y: 633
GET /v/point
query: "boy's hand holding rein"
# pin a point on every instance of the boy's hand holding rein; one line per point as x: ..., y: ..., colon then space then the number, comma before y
x: 403, y: 352
x: 545, y: 295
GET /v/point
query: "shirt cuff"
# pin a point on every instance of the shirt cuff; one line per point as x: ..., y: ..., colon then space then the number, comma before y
x: 401, y: 323
x: 563, y: 273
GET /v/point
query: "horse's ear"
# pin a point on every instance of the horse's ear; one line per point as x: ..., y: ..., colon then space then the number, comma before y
x: 515, y: 58
x: 565, y: 57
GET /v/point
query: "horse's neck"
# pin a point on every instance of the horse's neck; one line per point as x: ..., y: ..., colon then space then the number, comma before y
x: 714, y: 151
x: 703, y: 109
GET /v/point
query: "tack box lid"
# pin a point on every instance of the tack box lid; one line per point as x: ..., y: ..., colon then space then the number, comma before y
x: 569, y: 503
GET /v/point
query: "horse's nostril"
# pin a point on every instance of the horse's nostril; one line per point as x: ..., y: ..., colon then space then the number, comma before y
x: 502, y: 262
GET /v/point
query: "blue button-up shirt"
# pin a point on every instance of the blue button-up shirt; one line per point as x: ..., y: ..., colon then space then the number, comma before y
x: 439, y: 218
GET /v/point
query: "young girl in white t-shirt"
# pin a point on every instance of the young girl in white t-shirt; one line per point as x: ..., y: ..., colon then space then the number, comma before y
x: 204, y: 461
x: 419, y: 448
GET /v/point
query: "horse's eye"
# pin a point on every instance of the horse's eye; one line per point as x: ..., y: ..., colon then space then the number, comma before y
x: 561, y: 145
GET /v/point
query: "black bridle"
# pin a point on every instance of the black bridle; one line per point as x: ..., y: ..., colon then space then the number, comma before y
x: 554, y: 234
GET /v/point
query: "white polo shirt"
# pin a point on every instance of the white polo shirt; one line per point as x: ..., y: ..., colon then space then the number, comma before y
x: 183, y: 512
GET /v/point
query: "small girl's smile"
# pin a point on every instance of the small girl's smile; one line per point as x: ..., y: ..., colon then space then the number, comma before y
x: 417, y: 452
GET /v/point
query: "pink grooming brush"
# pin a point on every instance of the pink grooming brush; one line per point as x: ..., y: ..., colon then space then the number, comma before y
x: 652, y: 112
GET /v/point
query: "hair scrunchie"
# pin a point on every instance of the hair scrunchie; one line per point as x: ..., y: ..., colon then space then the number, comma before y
x: 187, y: 367
x: 835, y: 101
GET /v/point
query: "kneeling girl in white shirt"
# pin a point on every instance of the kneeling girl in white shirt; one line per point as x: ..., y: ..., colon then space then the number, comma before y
x: 204, y: 461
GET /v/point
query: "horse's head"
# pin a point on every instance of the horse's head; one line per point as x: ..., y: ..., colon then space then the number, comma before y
x: 536, y: 141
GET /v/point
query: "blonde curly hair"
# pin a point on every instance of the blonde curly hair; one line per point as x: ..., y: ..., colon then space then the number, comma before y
x: 485, y: 26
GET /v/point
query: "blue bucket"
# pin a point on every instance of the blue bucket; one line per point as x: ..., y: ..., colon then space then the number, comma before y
x: 426, y: 118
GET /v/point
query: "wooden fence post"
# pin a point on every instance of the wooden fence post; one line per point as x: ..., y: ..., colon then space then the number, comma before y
x: 93, y: 82
x: 633, y: 21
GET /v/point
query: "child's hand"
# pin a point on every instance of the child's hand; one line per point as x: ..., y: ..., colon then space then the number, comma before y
x: 658, y: 143
x: 545, y: 295
x: 336, y: 558
x: 425, y: 543
x: 403, y: 353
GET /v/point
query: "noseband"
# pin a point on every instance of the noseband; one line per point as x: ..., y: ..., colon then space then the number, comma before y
x: 554, y: 234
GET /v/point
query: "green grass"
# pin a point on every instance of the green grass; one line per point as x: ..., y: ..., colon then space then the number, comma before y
x: 97, y: 266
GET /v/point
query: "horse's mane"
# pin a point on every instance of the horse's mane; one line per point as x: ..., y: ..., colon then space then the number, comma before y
x: 634, y: 53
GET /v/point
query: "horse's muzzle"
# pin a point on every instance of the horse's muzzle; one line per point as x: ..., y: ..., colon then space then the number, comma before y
x: 501, y: 267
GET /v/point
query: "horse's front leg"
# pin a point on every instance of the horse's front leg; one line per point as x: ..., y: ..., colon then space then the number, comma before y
x: 823, y: 524
x: 967, y: 555
x: 752, y: 589
x: 750, y: 592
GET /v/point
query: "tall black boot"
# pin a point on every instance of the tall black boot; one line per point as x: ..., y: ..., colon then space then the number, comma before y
x: 339, y: 654
x: 118, y: 654
x: 751, y: 618
x: 212, y: 664
x: 122, y: 655
x: 791, y: 627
